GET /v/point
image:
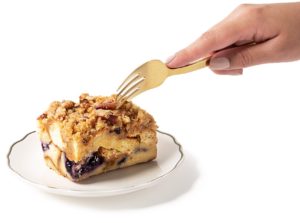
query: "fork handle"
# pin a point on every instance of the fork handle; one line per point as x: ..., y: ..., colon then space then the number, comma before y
x: 189, y: 68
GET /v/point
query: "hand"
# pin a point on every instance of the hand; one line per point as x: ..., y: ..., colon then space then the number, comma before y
x: 273, y: 28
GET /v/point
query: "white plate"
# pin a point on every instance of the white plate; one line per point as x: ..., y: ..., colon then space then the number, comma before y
x: 25, y: 158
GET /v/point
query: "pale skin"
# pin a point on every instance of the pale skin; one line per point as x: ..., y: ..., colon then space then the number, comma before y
x: 250, y: 35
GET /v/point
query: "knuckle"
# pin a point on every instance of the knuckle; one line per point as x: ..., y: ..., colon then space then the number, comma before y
x: 245, y: 57
x: 252, y: 11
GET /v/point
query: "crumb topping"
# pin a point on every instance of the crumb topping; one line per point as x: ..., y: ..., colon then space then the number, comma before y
x: 93, y: 114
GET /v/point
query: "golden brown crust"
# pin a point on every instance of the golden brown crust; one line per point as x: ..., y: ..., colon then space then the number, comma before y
x: 91, y: 116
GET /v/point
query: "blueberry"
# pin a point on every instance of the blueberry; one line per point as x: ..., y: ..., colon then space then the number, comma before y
x: 117, y: 130
x: 45, y: 146
x: 94, y: 160
x: 69, y: 165
x: 89, y: 164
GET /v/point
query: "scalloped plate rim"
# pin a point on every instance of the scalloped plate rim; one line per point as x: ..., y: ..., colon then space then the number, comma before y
x: 95, y: 193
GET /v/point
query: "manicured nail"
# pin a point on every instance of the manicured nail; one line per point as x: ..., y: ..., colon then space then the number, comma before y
x: 219, y: 63
x: 170, y: 58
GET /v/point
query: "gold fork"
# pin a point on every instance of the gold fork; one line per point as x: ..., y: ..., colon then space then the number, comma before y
x: 150, y: 75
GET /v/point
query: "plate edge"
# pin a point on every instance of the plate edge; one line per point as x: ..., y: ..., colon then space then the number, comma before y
x: 11, y: 148
x: 88, y: 192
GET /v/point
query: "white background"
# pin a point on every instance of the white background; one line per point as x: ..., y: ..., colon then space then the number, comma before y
x: 241, y: 135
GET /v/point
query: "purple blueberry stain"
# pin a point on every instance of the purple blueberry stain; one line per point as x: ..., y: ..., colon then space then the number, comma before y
x: 69, y: 165
x: 117, y: 130
x: 90, y: 163
x: 45, y: 146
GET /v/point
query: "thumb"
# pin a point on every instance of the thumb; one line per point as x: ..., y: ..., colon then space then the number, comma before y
x: 243, y: 56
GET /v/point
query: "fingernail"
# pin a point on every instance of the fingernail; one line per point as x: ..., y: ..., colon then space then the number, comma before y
x: 219, y: 63
x: 170, y: 58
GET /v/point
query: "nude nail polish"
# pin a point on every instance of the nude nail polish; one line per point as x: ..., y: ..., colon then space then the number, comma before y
x: 219, y: 63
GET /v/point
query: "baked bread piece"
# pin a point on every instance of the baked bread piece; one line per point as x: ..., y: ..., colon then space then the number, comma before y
x: 83, y: 139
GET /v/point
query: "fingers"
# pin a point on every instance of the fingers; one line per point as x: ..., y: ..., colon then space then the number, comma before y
x: 240, y: 57
x: 238, y: 28
x: 272, y: 28
x: 217, y: 38
x: 245, y: 24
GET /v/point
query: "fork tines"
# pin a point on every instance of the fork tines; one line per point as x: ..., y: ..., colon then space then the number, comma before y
x: 129, y: 87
